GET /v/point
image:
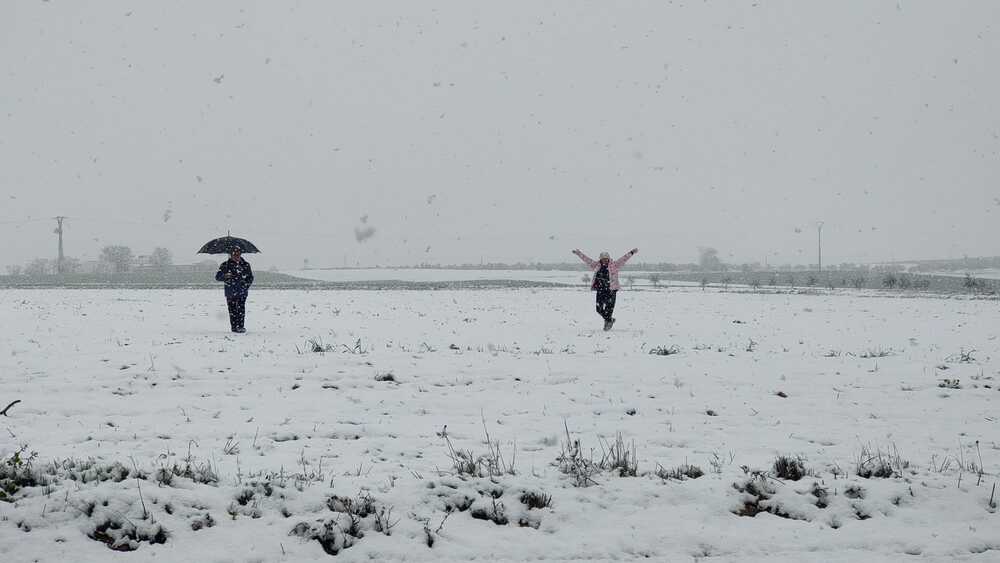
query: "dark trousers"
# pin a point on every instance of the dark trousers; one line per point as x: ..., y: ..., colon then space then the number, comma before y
x: 237, y: 310
x: 606, y: 303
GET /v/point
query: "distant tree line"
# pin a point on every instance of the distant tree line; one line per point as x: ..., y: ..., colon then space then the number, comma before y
x: 113, y: 259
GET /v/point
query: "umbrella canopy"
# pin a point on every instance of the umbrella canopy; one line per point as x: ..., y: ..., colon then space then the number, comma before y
x: 227, y: 244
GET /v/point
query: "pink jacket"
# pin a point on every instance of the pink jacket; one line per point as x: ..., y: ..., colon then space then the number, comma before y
x: 613, y: 267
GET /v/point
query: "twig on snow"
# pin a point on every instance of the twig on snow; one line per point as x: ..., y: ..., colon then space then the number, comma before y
x: 4, y: 412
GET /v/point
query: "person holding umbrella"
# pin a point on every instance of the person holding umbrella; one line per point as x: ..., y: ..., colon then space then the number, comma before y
x: 236, y: 274
x: 606, y: 282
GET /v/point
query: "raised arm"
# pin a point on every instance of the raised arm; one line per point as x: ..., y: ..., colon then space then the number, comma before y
x: 586, y: 259
x: 221, y: 274
x: 621, y: 261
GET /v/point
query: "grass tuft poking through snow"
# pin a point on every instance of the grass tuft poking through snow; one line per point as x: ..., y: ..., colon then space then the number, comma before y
x: 876, y: 464
x: 679, y: 473
x: 789, y: 468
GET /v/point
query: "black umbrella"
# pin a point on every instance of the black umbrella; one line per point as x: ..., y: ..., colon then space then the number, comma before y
x: 227, y: 244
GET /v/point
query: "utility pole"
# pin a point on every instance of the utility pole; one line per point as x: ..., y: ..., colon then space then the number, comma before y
x: 819, y: 244
x: 59, y: 231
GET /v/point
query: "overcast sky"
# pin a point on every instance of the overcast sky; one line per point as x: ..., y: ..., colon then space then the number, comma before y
x: 516, y: 130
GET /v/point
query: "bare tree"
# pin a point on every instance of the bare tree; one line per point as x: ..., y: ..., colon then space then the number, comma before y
x: 161, y: 258
x: 972, y: 283
x: 38, y: 267
x: 118, y: 257
x: 655, y: 279
x: 13, y: 270
x: 71, y: 265
x: 708, y: 259
x: 206, y: 266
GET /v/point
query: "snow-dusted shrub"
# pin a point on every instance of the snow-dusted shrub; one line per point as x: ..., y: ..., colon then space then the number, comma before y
x: 330, y: 535
x: 121, y: 534
x: 490, y: 464
x: 679, y: 473
x: 203, y: 521
x: 755, y: 490
x: 789, y: 468
x: 536, y: 499
x: 572, y: 462
x: 875, y: 353
x: 16, y: 473
x: 387, y: 376
x: 383, y: 522
x: 316, y: 346
x: 362, y: 506
x: 665, y: 350
x: 619, y: 458
x: 963, y: 357
x: 354, y: 516
x: 876, y: 464
x: 490, y: 509
x: 201, y: 473
x: 93, y: 471
x: 822, y: 495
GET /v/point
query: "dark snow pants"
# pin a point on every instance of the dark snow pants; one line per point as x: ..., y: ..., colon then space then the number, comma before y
x: 237, y: 311
x: 606, y: 303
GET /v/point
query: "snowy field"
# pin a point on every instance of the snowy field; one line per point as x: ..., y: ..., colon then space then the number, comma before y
x: 158, y: 431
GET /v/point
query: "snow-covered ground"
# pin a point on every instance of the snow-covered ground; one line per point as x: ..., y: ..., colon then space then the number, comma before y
x: 151, y: 380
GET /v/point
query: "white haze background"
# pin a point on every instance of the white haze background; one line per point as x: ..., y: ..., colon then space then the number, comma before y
x: 504, y: 131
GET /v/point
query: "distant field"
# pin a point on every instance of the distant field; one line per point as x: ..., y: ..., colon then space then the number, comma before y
x: 141, y: 280
x: 413, y: 275
x: 927, y: 283
x: 986, y: 274
x: 263, y: 280
x: 441, y: 279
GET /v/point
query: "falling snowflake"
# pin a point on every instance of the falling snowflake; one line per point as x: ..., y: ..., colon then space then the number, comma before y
x: 361, y: 234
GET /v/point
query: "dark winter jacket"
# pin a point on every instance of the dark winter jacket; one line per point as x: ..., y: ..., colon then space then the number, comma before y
x: 239, y: 279
x: 613, y: 267
x: 602, y: 279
